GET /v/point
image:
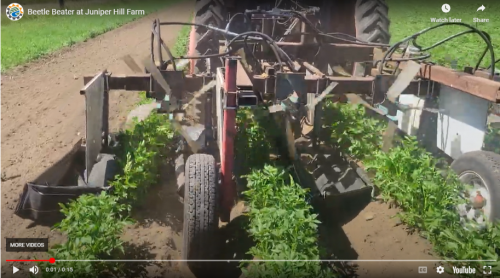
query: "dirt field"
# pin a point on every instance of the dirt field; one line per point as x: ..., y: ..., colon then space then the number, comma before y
x: 43, y: 116
x: 362, y: 230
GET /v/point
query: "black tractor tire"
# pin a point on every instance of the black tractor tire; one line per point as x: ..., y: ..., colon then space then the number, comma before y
x: 372, y: 25
x: 486, y: 166
x: 207, y: 12
x: 201, y: 213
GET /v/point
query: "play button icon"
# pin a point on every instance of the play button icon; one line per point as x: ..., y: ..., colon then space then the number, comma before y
x: 14, y: 269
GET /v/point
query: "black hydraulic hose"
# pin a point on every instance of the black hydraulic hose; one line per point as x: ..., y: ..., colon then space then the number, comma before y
x: 475, y: 30
x: 260, y: 36
x: 441, y: 41
x: 272, y: 44
x: 497, y: 61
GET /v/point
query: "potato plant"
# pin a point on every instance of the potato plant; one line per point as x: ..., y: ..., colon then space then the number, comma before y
x: 281, y: 222
x: 283, y: 227
x: 349, y: 133
x: 253, y: 140
x: 428, y: 198
x: 492, y: 140
x: 140, y: 151
x: 94, y: 223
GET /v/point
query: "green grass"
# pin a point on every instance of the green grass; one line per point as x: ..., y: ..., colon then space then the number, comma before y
x: 35, y: 36
x: 408, y: 17
x: 181, y: 46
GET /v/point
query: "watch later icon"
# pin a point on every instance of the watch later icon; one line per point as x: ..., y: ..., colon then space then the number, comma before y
x: 446, y: 8
x: 481, y: 8
x: 487, y: 269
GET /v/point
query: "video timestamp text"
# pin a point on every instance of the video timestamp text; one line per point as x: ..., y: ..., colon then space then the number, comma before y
x: 58, y: 269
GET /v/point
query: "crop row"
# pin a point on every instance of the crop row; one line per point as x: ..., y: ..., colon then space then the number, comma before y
x: 427, y: 194
x: 281, y: 222
x: 94, y: 224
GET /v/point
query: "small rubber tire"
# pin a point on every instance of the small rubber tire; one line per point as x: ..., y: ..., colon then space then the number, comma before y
x: 201, y: 212
x: 485, y: 165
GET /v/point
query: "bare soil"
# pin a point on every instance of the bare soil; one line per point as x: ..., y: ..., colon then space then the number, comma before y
x: 43, y: 116
x: 364, y: 230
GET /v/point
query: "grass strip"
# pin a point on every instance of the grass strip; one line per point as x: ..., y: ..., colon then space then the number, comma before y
x: 37, y: 35
x: 408, y: 175
x: 410, y: 16
x: 181, y: 45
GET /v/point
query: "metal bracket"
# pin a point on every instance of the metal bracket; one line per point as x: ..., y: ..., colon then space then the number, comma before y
x: 225, y: 101
x: 288, y: 83
x: 96, y: 127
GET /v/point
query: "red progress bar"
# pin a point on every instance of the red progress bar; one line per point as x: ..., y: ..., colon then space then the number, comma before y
x: 51, y: 260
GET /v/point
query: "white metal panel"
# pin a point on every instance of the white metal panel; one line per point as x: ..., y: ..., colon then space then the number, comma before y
x: 219, y: 99
x: 409, y: 121
x: 94, y: 113
x: 462, y: 124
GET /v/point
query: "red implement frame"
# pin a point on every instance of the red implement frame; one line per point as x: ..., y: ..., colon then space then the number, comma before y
x: 228, y: 187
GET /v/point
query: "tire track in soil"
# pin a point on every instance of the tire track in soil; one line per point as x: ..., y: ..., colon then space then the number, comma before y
x: 157, y: 235
x: 43, y: 112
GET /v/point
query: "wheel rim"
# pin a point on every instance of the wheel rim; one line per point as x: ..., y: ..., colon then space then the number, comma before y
x: 478, y: 207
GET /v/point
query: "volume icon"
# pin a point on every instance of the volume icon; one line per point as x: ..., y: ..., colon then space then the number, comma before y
x: 34, y: 269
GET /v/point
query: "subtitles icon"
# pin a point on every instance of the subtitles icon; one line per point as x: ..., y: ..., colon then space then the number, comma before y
x: 422, y: 269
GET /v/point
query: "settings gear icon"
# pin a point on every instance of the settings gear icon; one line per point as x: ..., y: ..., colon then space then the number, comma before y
x: 440, y: 269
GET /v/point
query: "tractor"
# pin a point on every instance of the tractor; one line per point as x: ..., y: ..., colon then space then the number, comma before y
x: 289, y: 56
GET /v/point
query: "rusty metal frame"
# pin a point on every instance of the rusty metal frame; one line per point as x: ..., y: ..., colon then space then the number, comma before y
x: 343, y: 52
x: 261, y: 84
x: 472, y: 84
x: 477, y: 84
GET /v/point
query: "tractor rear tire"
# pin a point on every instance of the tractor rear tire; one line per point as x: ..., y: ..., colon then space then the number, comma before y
x: 205, y: 41
x: 201, y: 214
x: 372, y: 25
